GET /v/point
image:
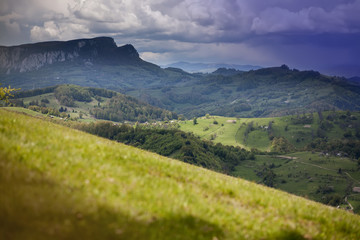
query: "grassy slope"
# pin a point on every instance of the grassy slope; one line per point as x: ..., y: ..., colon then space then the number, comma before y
x: 60, y: 183
x: 80, y: 107
x: 229, y: 133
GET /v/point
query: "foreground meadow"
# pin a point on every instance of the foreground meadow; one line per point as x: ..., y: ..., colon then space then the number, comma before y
x: 59, y: 183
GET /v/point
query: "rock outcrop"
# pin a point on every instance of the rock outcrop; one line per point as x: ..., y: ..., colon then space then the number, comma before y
x: 31, y: 57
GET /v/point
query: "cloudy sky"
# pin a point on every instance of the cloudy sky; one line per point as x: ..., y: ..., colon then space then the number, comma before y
x: 309, y: 34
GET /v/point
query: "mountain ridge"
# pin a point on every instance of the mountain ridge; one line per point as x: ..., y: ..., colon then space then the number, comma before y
x: 28, y: 57
x: 273, y: 91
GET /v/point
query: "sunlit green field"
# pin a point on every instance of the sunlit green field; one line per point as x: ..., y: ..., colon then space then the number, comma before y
x: 298, y: 135
x: 58, y: 183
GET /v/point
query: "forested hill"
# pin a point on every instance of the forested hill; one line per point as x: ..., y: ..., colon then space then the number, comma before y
x: 71, y: 101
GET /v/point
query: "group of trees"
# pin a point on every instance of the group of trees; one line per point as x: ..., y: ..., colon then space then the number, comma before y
x: 348, y: 142
x: 68, y: 94
x: 303, y: 119
x: 174, y: 143
x: 281, y: 145
x: 34, y: 92
x: 123, y: 108
x: 267, y: 176
x: 350, y: 148
x: 48, y: 110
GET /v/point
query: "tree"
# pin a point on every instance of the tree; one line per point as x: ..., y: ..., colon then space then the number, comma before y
x: 6, y: 93
x: 195, y: 121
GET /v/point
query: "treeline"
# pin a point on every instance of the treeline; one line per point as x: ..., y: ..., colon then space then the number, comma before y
x: 349, y: 148
x: 348, y: 143
x: 68, y: 94
x: 123, y: 108
x: 175, y: 144
x: 35, y: 92
x: 48, y: 110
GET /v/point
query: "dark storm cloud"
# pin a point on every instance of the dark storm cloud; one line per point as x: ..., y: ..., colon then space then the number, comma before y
x: 246, y: 31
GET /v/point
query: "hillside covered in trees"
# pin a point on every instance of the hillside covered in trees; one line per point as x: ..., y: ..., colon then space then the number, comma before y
x: 85, y: 102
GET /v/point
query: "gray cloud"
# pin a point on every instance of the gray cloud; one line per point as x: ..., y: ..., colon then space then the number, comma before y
x: 246, y: 31
x: 184, y: 20
x: 341, y: 19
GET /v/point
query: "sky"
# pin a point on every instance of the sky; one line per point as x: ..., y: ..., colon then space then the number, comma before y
x: 322, y: 35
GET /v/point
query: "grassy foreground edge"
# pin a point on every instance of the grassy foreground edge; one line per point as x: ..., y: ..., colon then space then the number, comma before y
x: 59, y: 183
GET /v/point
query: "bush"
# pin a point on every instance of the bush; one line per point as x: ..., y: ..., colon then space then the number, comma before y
x: 325, y: 189
x: 45, y: 100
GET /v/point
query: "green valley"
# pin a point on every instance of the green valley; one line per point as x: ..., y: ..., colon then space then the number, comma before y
x: 61, y: 183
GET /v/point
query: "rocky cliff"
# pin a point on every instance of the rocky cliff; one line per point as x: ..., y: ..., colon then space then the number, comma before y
x: 31, y: 57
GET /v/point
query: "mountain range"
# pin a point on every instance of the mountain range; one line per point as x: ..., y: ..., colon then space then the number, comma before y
x: 209, y: 67
x: 100, y: 63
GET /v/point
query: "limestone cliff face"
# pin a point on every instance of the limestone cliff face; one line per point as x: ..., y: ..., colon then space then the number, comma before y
x: 31, y: 57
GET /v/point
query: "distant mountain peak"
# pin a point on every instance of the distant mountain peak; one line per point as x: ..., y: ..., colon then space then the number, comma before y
x: 129, y: 50
x: 29, y: 57
x: 209, y: 67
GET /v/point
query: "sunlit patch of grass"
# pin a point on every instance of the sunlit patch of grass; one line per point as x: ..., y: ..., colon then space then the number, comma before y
x: 59, y: 183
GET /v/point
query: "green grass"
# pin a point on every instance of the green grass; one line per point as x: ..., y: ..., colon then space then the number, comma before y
x: 305, y: 174
x: 223, y: 131
x: 59, y: 183
x: 229, y: 133
x: 25, y: 111
x: 302, y: 177
x: 299, y: 135
x: 74, y: 112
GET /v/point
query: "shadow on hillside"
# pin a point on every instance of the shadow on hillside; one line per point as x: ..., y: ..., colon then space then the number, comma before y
x: 35, y: 207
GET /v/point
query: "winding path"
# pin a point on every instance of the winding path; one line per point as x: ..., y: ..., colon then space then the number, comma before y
x: 351, y: 207
x: 316, y: 166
